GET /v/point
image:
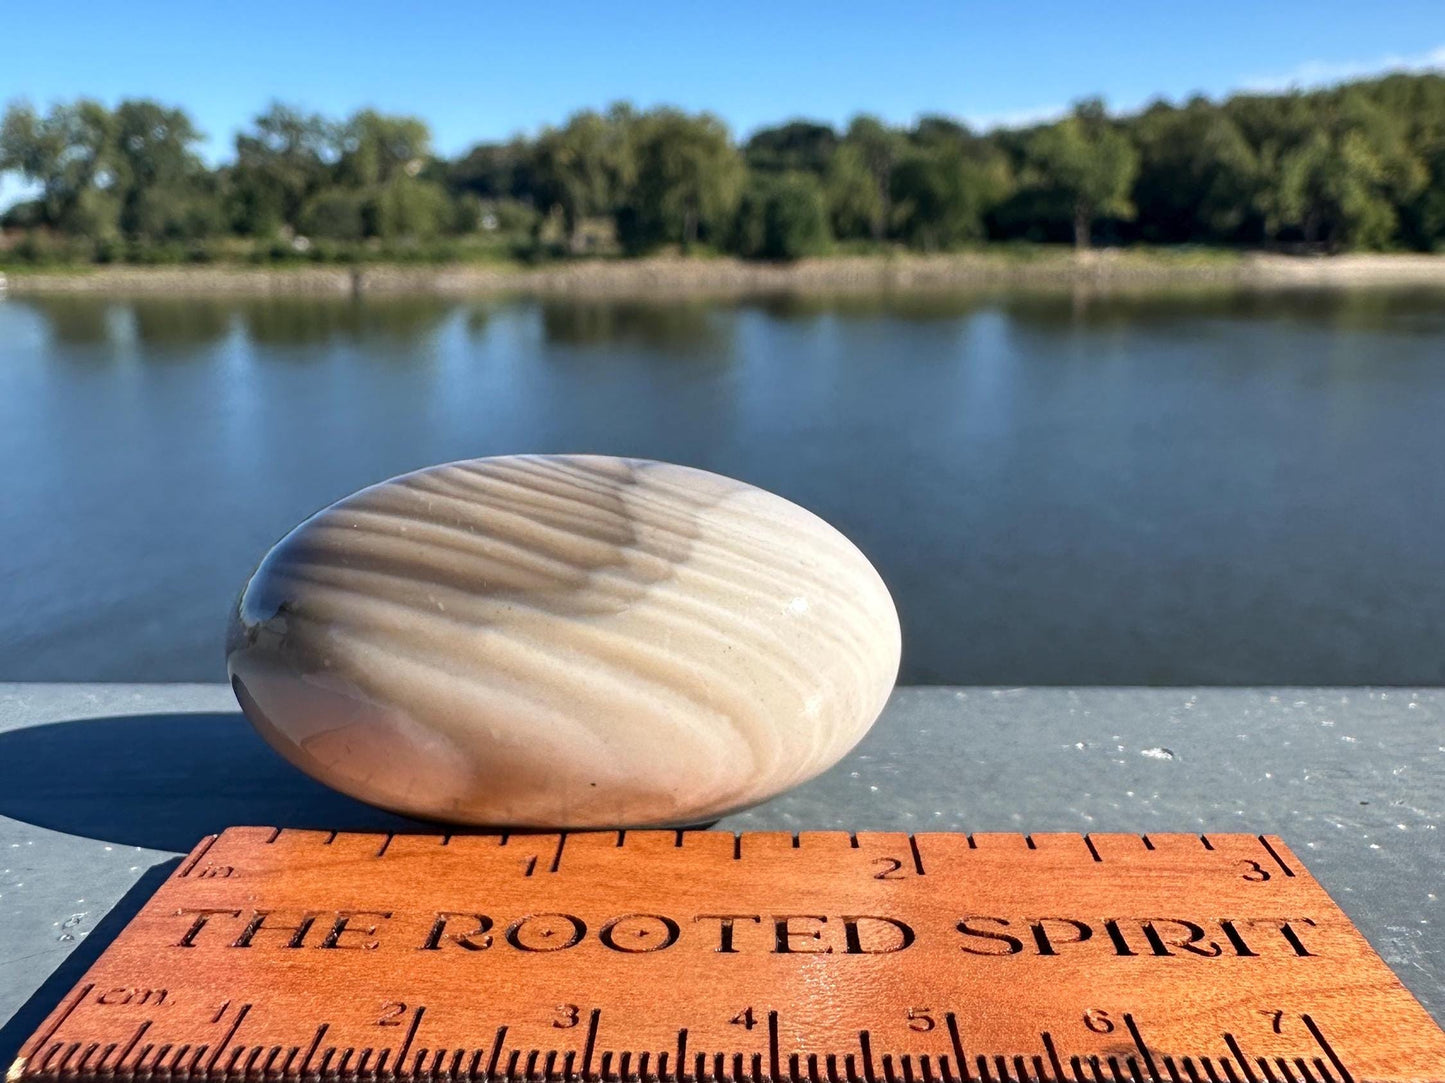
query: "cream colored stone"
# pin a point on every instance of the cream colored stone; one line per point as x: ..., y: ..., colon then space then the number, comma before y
x: 563, y: 641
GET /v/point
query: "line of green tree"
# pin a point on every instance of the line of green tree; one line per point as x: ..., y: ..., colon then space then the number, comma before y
x: 1357, y: 166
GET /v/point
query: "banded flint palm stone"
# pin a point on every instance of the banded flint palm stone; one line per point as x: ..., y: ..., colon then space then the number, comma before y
x: 563, y: 641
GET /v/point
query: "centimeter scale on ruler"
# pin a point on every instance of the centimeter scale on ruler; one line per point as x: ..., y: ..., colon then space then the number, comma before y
x: 688, y: 957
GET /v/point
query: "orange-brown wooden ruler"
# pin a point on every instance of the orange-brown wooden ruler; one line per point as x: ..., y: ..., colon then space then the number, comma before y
x: 698, y: 956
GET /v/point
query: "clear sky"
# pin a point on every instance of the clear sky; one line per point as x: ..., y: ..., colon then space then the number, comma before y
x: 483, y: 71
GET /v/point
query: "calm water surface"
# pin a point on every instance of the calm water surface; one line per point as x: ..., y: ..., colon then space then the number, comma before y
x: 1233, y: 489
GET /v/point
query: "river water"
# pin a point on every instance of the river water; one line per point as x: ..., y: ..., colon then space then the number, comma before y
x: 1215, y: 489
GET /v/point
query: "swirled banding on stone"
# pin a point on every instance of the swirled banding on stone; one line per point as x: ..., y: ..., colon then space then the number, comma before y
x: 563, y: 641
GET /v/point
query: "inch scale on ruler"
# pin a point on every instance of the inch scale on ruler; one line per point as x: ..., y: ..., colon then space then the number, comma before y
x: 694, y: 957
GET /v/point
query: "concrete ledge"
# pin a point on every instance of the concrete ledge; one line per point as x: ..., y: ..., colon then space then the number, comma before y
x: 102, y: 785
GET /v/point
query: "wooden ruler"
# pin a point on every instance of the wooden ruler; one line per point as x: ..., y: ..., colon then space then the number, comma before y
x: 688, y: 957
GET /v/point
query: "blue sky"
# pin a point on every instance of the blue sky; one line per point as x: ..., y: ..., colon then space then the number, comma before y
x: 484, y: 71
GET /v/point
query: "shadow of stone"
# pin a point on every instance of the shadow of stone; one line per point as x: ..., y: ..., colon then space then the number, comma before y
x: 164, y: 781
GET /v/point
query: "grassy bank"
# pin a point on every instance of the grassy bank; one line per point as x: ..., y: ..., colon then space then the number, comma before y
x: 1015, y: 267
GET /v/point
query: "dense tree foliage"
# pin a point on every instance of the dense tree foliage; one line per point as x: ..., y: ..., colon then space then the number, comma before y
x: 1086, y: 166
x: 782, y: 216
x: 1358, y: 166
x: 688, y: 179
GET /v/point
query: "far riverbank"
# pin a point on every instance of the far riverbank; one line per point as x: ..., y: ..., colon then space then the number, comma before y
x: 1101, y: 270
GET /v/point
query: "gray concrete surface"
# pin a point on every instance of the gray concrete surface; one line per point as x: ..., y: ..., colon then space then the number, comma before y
x: 102, y: 785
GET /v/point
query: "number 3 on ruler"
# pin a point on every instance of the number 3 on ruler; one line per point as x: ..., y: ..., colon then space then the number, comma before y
x: 567, y: 1016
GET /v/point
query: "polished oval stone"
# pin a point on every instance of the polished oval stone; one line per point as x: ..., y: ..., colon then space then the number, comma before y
x: 563, y: 641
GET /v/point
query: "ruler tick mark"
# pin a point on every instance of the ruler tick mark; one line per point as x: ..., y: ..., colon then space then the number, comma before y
x: 953, y: 1036
x: 1277, y: 859
x: 1230, y: 1041
x: 917, y: 857
x: 139, y: 1034
x: 557, y: 857
x: 89, y: 1052
x: 315, y: 1045
x: 1133, y: 1028
x: 104, y: 1056
x: 496, y: 1052
x: 252, y: 1053
x: 773, y: 1065
x: 176, y: 1058
x: 1329, y: 1051
x: 1093, y: 850
x: 1053, y: 1053
x: 230, y: 1034
x: 70, y: 1051
x: 589, y: 1045
x: 865, y: 1043
x: 185, y: 869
